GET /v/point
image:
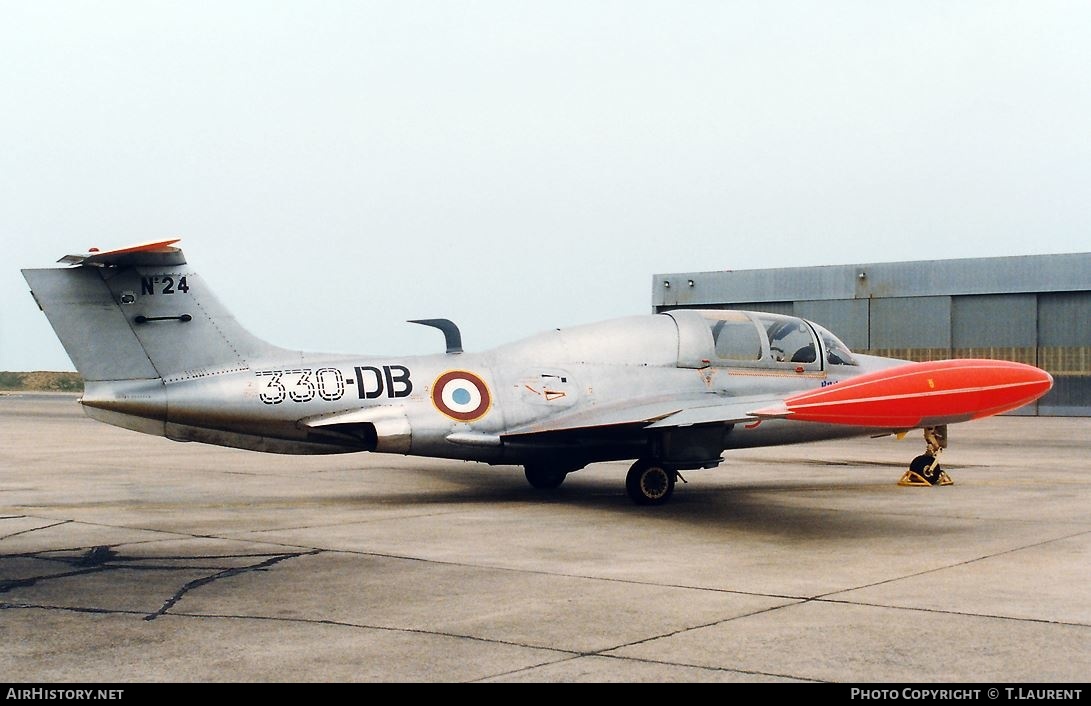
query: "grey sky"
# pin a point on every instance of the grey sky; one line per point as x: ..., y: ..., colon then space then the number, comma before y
x: 335, y: 168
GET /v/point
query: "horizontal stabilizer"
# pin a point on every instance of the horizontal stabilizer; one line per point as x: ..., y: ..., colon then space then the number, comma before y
x: 158, y: 251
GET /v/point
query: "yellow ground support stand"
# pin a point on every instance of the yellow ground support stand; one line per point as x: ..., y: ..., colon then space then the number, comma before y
x: 916, y: 479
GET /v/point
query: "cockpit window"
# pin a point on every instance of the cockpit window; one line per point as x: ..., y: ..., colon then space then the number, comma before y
x: 735, y: 336
x: 790, y: 339
x: 837, y: 353
x: 759, y: 339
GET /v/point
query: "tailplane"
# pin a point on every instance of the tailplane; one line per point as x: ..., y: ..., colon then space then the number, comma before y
x: 142, y: 313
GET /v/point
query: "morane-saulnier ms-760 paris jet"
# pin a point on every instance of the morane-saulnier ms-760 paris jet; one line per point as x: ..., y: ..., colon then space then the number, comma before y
x: 160, y: 354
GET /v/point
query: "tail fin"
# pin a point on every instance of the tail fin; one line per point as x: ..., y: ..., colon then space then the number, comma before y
x: 141, y: 313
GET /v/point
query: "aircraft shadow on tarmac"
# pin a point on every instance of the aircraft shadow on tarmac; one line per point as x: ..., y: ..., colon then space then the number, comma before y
x: 771, y: 508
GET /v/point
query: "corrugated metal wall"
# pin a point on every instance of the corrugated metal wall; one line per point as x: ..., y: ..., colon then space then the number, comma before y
x: 1064, y: 350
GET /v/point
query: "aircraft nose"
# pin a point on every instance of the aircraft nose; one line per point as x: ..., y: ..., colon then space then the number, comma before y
x: 1034, y: 378
x: 1040, y: 377
x: 1045, y: 378
x: 1001, y: 386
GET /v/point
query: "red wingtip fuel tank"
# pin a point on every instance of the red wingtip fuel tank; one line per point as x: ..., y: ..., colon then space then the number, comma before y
x: 920, y: 394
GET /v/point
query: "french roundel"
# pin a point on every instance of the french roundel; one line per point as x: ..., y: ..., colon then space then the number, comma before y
x: 461, y: 395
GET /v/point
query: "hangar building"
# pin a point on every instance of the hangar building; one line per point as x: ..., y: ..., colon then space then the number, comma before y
x: 1032, y: 309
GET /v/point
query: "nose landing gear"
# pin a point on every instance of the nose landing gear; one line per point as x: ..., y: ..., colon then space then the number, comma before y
x: 925, y: 470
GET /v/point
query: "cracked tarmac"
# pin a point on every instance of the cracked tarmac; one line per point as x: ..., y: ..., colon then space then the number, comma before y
x: 130, y: 558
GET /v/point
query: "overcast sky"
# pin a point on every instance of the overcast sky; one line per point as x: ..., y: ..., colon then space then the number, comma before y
x: 335, y: 168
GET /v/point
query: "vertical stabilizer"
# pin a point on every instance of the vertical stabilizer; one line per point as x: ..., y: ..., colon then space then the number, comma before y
x: 142, y: 313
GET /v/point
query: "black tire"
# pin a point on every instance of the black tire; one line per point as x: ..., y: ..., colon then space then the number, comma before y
x: 648, y: 483
x: 544, y: 477
x: 920, y: 465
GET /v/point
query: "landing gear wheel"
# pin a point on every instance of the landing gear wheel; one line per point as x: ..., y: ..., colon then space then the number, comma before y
x: 544, y: 477
x: 921, y: 467
x: 648, y: 483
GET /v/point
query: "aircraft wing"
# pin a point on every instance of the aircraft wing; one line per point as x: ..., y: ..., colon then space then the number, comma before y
x: 660, y: 413
x: 731, y: 410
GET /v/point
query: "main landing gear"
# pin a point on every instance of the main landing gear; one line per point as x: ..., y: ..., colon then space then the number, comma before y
x: 925, y: 470
x: 649, y: 483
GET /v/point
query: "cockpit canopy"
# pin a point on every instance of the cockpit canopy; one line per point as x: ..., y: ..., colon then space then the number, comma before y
x: 755, y: 339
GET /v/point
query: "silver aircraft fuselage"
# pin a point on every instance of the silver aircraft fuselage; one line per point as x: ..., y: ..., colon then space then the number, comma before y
x: 305, y: 402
